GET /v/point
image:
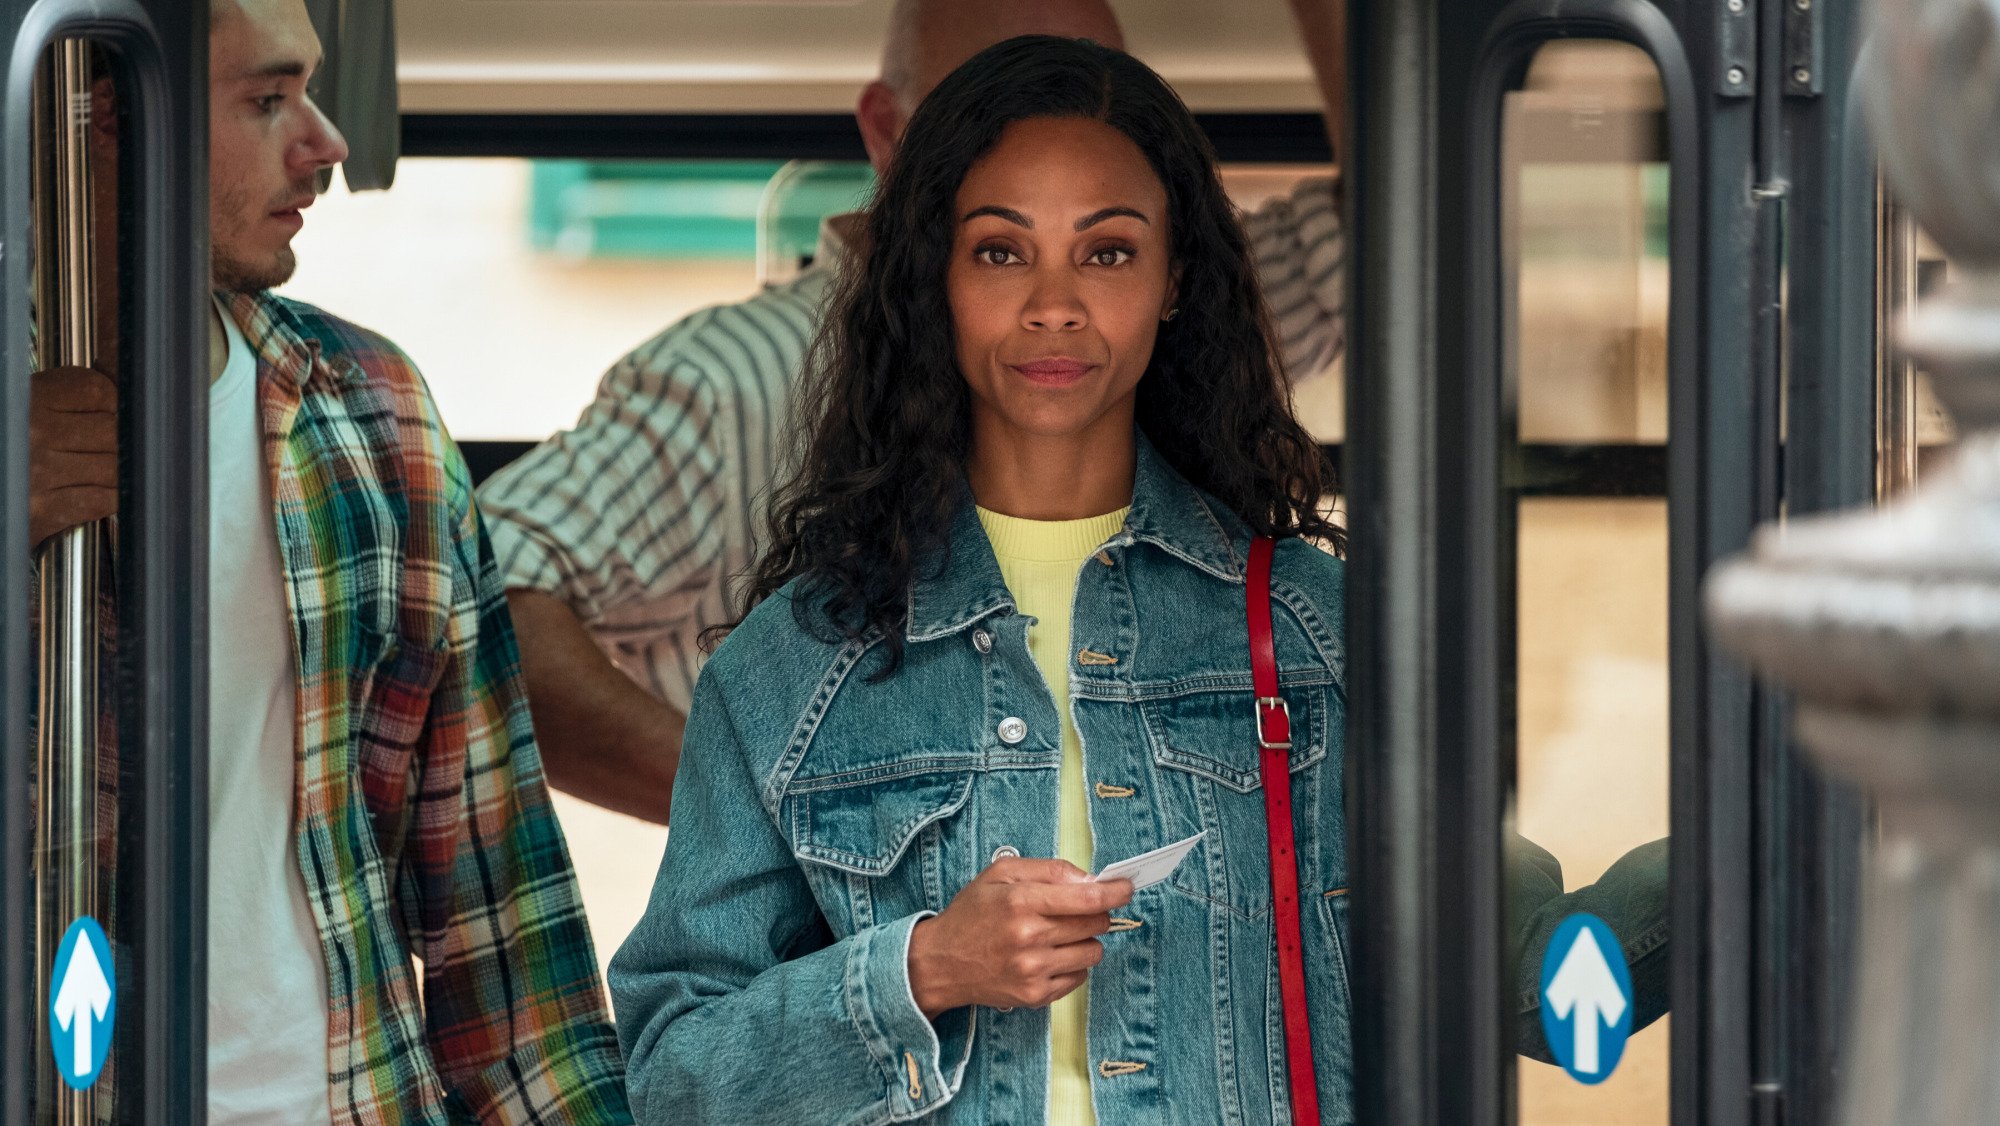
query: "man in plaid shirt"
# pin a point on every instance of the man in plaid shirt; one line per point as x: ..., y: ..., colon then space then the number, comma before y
x: 377, y: 809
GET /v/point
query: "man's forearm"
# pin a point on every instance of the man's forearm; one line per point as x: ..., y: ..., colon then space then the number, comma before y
x: 603, y: 738
x: 1323, y: 30
x: 1631, y: 896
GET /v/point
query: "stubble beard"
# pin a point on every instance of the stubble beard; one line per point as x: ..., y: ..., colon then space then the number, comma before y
x: 235, y: 274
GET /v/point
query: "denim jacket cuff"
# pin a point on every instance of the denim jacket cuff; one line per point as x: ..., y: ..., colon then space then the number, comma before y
x: 912, y: 1052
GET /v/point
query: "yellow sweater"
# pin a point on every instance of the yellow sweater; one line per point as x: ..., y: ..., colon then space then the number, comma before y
x: 1039, y: 560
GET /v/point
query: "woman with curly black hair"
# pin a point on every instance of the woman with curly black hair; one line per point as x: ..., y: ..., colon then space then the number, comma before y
x: 1001, y: 637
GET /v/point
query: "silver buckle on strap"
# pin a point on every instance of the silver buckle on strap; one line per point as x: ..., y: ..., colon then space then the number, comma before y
x: 1258, y: 709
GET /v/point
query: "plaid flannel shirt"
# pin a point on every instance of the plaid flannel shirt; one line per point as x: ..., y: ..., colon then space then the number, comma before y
x: 426, y: 834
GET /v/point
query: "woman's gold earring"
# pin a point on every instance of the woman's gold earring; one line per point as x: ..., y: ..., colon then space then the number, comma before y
x: 1172, y: 313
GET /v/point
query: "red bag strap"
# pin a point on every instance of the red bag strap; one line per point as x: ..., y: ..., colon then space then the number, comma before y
x: 1274, y: 741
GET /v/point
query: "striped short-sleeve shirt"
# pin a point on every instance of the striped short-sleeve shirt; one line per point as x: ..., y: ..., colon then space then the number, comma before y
x: 645, y: 516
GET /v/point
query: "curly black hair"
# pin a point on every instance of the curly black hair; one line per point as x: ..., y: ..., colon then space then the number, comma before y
x: 882, y: 421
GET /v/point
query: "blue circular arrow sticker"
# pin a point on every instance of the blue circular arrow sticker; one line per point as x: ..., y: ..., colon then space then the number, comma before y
x: 83, y: 1001
x: 1586, y: 998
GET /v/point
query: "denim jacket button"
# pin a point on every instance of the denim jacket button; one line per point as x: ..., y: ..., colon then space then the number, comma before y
x: 1012, y: 730
x: 1005, y: 852
x: 982, y: 641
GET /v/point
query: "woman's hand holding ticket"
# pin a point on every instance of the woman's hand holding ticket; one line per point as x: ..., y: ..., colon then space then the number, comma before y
x: 1022, y: 933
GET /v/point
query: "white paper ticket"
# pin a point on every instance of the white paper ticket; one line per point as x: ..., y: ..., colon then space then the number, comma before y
x: 1149, y: 868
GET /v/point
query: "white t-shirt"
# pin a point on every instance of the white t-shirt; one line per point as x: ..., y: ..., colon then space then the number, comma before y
x: 267, y: 1007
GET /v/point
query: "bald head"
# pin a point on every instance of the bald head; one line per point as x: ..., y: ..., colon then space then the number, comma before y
x: 928, y: 39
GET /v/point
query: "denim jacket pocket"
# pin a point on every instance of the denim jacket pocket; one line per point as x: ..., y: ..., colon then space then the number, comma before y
x: 1211, y: 779
x: 869, y: 843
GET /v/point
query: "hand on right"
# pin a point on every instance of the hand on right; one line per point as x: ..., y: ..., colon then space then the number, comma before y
x: 73, y: 450
x: 1023, y: 933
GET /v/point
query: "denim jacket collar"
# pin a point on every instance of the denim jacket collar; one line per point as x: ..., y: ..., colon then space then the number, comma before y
x: 1166, y: 512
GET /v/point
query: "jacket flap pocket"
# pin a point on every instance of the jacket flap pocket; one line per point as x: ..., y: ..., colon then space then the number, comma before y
x: 1214, y: 734
x: 864, y: 827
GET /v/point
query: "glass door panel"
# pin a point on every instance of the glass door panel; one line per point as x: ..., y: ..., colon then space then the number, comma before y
x: 1584, y: 329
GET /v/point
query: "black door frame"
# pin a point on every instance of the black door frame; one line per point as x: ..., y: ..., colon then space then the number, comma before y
x: 1762, y: 860
x: 160, y: 59
x: 1820, y: 177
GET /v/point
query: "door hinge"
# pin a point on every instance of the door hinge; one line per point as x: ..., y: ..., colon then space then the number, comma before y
x: 1803, y: 61
x: 1736, y: 48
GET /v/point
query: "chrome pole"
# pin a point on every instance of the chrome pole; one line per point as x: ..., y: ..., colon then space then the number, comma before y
x: 67, y: 707
x: 1896, y: 375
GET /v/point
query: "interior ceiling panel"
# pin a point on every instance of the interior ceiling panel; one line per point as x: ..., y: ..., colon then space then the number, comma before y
x: 710, y: 56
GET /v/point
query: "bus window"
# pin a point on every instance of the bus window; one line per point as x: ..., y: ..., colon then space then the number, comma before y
x: 516, y: 283
x: 1583, y: 213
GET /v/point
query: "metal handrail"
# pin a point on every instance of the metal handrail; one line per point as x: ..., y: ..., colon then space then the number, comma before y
x: 69, y: 641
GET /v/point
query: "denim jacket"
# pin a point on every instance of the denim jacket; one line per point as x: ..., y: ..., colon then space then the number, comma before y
x: 819, y: 814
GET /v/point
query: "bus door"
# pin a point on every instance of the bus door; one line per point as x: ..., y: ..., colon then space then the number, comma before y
x: 103, y: 698
x: 1613, y: 307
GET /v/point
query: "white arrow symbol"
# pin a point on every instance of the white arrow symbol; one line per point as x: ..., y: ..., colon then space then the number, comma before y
x: 81, y: 1000
x: 1584, y: 985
